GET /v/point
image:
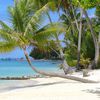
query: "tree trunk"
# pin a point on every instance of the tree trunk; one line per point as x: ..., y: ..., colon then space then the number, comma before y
x: 79, y: 42
x: 62, y: 56
x: 64, y: 62
x: 52, y: 74
x: 96, y: 59
x: 79, y: 28
x: 96, y: 45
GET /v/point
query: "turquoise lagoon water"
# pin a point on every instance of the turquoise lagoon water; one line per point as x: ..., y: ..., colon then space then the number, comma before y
x: 21, y: 68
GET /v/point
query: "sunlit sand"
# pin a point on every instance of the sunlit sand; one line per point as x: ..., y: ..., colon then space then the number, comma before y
x: 55, y: 89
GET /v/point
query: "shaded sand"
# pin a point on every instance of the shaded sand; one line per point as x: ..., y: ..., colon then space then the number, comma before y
x: 53, y: 89
x: 9, y: 85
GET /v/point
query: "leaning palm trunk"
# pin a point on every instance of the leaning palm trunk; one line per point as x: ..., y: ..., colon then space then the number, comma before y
x: 64, y: 63
x: 65, y: 66
x: 52, y: 74
x: 96, y: 44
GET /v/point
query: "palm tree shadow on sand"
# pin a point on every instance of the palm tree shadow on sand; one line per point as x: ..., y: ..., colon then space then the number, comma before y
x: 93, y: 91
x: 28, y: 85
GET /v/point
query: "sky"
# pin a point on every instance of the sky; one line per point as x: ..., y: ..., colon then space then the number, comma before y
x: 4, y: 16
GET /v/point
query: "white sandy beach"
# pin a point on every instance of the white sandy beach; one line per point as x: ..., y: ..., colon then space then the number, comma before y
x: 56, y: 89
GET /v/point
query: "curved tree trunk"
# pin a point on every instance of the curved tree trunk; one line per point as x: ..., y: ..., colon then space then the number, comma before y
x: 64, y: 62
x: 52, y: 74
x: 96, y: 44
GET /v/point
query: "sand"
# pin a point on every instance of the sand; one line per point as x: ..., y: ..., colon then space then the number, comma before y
x: 56, y: 89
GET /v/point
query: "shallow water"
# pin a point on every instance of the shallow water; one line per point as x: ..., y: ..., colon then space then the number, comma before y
x: 21, y: 68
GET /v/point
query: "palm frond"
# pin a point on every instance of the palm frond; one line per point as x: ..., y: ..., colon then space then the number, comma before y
x: 5, y: 35
x: 7, y: 46
x: 37, y: 17
x: 51, y: 29
x: 5, y: 27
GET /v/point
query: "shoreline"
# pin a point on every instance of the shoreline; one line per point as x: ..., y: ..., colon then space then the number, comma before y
x: 23, y: 77
x: 31, y: 60
x: 92, y: 75
x: 51, y: 88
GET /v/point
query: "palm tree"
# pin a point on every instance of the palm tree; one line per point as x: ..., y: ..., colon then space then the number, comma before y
x: 21, y: 34
x: 71, y: 11
x: 71, y: 20
x: 86, y: 5
x: 12, y: 40
x: 39, y: 4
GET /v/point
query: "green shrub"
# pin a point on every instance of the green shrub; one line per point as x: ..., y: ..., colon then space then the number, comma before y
x: 84, y: 62
x: 98, y: 65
